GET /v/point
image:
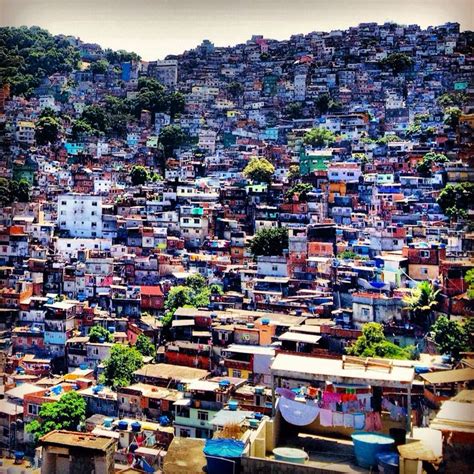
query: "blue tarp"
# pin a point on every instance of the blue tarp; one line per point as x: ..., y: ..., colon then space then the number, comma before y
x: 224, y: 448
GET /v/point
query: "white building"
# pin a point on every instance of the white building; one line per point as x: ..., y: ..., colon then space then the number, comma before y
x: 70, y: 247
x: 165, y: 71
x: 300, y: 86
x: 207, y: 140
x: 25, y: 132
x: 80, y: 215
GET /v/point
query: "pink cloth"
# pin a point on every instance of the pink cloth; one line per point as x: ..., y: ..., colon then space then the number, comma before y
x: 373, y: 421
x: 325, y: 417
x: 369, y: 421
x: 330, y: 397
x: 377, y: 421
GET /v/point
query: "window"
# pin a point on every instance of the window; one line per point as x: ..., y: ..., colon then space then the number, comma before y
x: 94, y: 203
x: 425, y: 254
x: 236, y: 373
x: 33, y: 409
x: 184, y: 433
x: 365, y: 312
x: 424, y: 271
x: 274, y: 268
x: 63, y: 203
x: 203, y: 415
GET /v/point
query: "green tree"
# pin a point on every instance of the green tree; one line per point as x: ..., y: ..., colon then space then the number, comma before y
x: 451, y: 116
x: 351, y: 255
x: 294, y: 173
x: 452, y: 99
x: 81, y: 129
x: 119, y: 367
x: 373, y: 343
x: 185, y: 296
x: 99, y: 67
x: 65, y: 414
x: 456, y: 199
x: 294, y: 110
x: 139, y: 175
x: 120, y: 56
x: 319, y: 137
x: 269, y: 241
x: 97, y: 332
x: 5, y: 196
x: 28, y: 55
x: 259, y: 170
x: 322, y: 103
x: 177, y: 297
x: 469, y: 279
x: 96, y: 117
x: 397, y: 62
x: 235, y: 89
x: 172, y: 137
x: 47, y: 130
x: 422, y: 300
x: 425, y: 166
x: 20, y: 190
x: 196, y: 282
x: 299, y: 190
x: 388, y: 139
x: 154, y: 97
x: 145, y: 346
x: 451, y: 336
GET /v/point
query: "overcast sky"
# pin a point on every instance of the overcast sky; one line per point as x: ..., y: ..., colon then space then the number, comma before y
x: 155, y: 28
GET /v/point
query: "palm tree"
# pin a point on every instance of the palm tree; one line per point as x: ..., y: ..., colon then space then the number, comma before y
x: 421, y: 302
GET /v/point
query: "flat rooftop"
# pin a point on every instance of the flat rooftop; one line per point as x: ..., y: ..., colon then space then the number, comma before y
x: 76, y: 439
x: 316, y: 368
x: 169, y: 371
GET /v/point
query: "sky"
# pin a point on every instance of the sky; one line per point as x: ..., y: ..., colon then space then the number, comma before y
x: 155, y: 28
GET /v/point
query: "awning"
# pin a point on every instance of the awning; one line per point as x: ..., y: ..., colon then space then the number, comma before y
x: 449, y: 376
x: 299, y: 337
x: 184, y: 402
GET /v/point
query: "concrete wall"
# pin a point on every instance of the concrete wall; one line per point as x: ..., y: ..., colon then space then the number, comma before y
x: 250, y: 465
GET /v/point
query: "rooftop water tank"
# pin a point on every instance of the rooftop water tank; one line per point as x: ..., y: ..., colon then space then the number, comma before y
x: 108, y: 422
x: 136, y: 426
x: 233, y: 405
x: 122, y: 425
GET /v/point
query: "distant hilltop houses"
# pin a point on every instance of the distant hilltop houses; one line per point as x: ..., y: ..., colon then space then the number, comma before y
x: 236, y: 256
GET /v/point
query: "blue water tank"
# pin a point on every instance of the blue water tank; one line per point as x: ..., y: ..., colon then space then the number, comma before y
x: 367, y: 445
x: 233, y: 405
x: 223, y: 455
x: 388, y: 463
x: 108, y: 422
x: 136, y: 426
x: 122, y: 425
